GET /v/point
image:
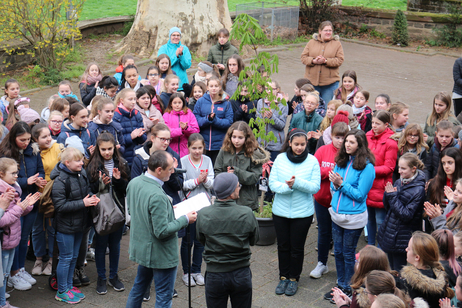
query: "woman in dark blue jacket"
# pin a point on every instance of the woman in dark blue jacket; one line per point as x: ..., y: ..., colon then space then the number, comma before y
x: 404, y: 204
x: 31, y: 177
x: 214, y: 116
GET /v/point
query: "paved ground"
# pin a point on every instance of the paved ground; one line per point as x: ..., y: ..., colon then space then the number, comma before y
x: 410, y: 78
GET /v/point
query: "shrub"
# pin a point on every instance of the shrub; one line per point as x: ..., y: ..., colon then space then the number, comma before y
x: 449, y: 35
x: 400, y: 36
x: 314, y: 12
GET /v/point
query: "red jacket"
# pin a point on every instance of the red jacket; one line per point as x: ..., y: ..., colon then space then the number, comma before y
x: 326, y: 158
x: 385, y: 151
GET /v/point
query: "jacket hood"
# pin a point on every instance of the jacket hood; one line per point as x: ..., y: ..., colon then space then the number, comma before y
x: 126, y: 113
x: 387, y: 133
x: 151, y: 109
x: 4, y: 186
x: 260, y: 156
x: 68, y: 127
x: 317, y: 37
x: 32, y: 149
x: 362, y: 298
x: 143, y: 150
x: 181, y: 112
x: 422, y: 282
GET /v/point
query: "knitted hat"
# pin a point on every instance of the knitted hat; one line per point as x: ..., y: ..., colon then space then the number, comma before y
x: 341, y: 116
x: 28, y: 115
x: 353, y: 122
x: 225, y: 184
x: 74, y: 142
x: 173, y: 30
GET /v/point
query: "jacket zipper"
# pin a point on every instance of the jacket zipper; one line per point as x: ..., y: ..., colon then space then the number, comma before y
x: 180, y: 136
x: 346, y: 174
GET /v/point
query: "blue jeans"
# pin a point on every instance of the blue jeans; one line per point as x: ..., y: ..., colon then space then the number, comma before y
x: 324, y: 231
x: 27, y: 222
x: 374, y: 221
x: 7, y: 261
x: 345, y: 242
x: 237, y: 285
x: 39, y: 236
x: 197, y: 252
x: 164, y: 280
x: 101, y: 242
x: 327, y: 92
x: 68, y: 245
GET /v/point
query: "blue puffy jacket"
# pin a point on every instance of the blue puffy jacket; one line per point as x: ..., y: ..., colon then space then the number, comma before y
x: 213, y: 131
x: 30, y: 163
x: 114, y: 128
x: 351, y: 197
x: 140, y: 165
x: 295, y: 202
x: 129, y: 122
x: 67, y: 130
x: 179, y: 64
x: 404, y: 214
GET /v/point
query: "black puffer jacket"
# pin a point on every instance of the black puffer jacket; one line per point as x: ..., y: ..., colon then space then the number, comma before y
x: 404, y: 214
x: 457, y: 75
x: 433, y: 158
x: 71, y: 215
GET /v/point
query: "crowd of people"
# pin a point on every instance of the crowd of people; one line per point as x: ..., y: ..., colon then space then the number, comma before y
x: 358, y: 169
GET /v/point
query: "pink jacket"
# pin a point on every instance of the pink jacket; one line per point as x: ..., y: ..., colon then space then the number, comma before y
x: 179, y: 136
x: 10, y: 221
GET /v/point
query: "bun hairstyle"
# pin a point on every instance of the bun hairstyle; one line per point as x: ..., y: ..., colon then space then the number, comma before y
x: 413, y: 160
x: 380, y: 282
x: 445, y: 240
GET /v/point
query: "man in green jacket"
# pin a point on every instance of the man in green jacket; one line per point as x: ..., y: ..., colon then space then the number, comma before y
x: 227, y: 230
x: 153, y: 234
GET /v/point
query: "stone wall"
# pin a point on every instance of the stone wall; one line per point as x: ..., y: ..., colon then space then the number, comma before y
x: 432, y: 6
x: 420, y: 25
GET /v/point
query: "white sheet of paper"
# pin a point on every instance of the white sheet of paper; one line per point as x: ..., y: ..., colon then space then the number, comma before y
x: 192, y: 204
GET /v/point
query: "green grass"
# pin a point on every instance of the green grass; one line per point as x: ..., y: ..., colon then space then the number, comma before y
x: 93, y: 9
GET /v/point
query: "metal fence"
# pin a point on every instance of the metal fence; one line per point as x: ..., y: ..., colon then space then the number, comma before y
x: 276, y: 21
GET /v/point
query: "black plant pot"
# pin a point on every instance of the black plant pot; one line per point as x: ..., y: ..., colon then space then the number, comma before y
x: 267, y: 232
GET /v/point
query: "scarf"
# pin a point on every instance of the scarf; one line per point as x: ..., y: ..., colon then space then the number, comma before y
x: 297, y: 159
x: 137, y: 86
x: 406, y: 181
x: 357, y: 111
x: 93, y: 80
x: 100, y: 91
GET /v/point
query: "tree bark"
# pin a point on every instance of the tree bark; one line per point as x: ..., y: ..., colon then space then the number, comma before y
x: 199, y: 21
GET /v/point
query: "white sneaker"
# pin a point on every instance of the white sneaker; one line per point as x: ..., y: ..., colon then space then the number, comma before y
x: 7, y: 295
x: 48, y: 268
x: 37, y: 269
x: 199, y: 279
x: 27, y: 277
x: 320, y: 270
x: 186, y: 280
x: 19, y: 283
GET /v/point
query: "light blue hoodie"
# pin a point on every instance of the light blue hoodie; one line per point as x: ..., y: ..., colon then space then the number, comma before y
x: 179, y: 64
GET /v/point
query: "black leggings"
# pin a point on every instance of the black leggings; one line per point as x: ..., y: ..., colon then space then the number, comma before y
x: 457, y: 106
x: 291, y: 235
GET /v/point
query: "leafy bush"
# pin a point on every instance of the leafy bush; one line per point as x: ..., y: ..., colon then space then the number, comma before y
x: 449, y: 35
x: 314, y: 12
x: 400, y: 35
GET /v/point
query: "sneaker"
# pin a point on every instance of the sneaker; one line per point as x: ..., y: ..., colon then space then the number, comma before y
x: 91, y: 254
x: 27, y: 277
x: 37, y: 269
x: 18, y: 283
x: 199, y: 279
x: 346, y: 292
x: 282, y: 286
x: 48, y: 268
x: 147, y: 295
x: 126, y: 229
x: 328, y: 296
x: 292, y: 287
x: 319, y: 270
x: 84, y: 280
x: 8, y: 305
x: 116, y: 283
x: 175, y: 293
x: 332, y: 253
x: 77, y: 293
x: 101, y: 287
x: 67, y: 297
x: 186, y: 280
x: 7, y: 295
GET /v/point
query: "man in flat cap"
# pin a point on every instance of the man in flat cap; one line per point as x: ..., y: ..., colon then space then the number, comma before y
x: 227, y: 230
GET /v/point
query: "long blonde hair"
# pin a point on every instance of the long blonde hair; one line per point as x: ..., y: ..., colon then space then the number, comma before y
x: 326, y: 122
x: 403, y: 146
x: 435, y: 118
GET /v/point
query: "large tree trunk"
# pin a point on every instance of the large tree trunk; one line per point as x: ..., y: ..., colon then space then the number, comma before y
x: 199, y: 21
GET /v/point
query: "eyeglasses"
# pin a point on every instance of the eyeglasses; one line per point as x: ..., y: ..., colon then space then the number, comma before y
x: 165, y: 139
x: 14, y: 173
x: 153, y: 75
x: 56, y: 122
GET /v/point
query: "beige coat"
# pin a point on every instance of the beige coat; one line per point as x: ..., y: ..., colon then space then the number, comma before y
x: 323, y: 74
